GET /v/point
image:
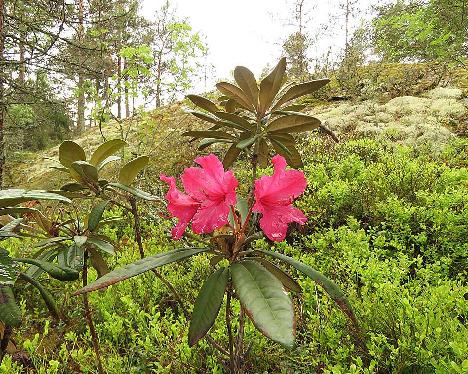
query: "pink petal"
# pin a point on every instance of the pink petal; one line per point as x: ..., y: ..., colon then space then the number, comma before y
x: 282, y: 187
x: 210, y: 181
x: 180, y: 206
x: 211, y: 216
x: 274, y: 221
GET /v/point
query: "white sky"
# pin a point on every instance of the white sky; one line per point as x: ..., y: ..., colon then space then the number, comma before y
x: 250, y: 32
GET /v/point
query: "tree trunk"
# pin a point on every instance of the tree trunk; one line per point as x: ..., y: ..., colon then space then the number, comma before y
x: 2, y: 98
x: 127, y: 102
x: 119, y: 87
x: 158, y: 81
x: 80, y: 121
x: 22, y: 66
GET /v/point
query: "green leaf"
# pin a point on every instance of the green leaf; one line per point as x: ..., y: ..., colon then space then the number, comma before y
x: 299, y: 90
x: 327, y: 284
x: 96, y: 215
x: 98, y: 262
x: 7, y: 231
x: 270, y: 85
x: 72, y: 187
x: 284, y: 144
x: 263, y: 153
x: 101, y: 244
x: 288, y: 282
x: 85, y: 170
x: 8, y: 272
x: 15, y: 196
x: 207, y: 305
x: 46, y: 296
x: 107, y: 161
x: 69, y: 152
x: 263, y: 297
x: 231, y: 155
x: 209, y: 134
x: 131, y: 169
x: 134, y: 191
x: 205, y: 117
x: 72, y: 257
x: 55, y: 271
x: 239, y: 122
x: 139, y: 267
x: 293, y: 122
x: 80, y: 240
x: 236, y: 94
x: 10, y: 313
x: 247, y: 82
x: 246, y: 142
x: 47, y: 255
x: 105, y: 150
x: 203, y: 103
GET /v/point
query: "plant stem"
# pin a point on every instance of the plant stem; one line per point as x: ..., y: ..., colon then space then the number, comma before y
x: 240, y: 341
x: 232, y: 359
x: 89, y: 317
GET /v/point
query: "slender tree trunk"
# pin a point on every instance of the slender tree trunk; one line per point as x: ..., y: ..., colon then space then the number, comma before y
x: 158, y: 81
x: 22, y: 66
x: 2, y: 94
x: 80, y: 121
x: 119, y: 87
x: 127, y: 102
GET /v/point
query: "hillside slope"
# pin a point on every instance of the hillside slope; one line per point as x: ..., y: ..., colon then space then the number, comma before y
x: 430, y: 120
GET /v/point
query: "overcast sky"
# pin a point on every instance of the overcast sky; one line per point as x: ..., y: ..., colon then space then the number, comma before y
x: 250, y: 32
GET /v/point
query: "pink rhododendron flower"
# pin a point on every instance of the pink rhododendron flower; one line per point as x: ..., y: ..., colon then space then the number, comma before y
x: 210, y: 191
x: 274, y: 196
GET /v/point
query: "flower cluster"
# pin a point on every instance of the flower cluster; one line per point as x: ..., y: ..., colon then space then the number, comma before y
x: 210, y: 192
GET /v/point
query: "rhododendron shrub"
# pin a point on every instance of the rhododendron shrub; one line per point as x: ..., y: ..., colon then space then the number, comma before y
x: 207, y: 203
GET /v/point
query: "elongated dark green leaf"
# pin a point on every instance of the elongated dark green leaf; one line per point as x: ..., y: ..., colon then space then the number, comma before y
x: 10, y: 197
x: 270, y: 86
x: 8, y: 230
x: 246, y: 142
x: 8, y: 273
x: 231, y: 155
x: 80, y: 240
x: 327, y: 284
x: 103, y: 245
x: 207, y: 305
x: 263, y: 153
x: 46, y: 296
x: 299, y: 90
x: 10, y: 313
x: 265, y: 301
x: 239, y: 122
x: 283, y: 277
x: 85, y: 170
x: 72, y: 257
x: 96, y: 214
x: 134, y: 191
x: 247, y: 82
x: 70, y: 152
x: 48, y: 256
x: 205, y: 143
x: 98, y: 262
x: 209, y: 134
x: 236, y: 94
x: 107, y: 161
x: 72, y: 187
x: 284, y: 144
x: 203, y: 103
x: 139, y: 267
x: 293, y: 122
x: 17, y: 210
x: 131, y: 169
x: 55, y: 271
x: 205, y: 117
x: 105, y: 150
